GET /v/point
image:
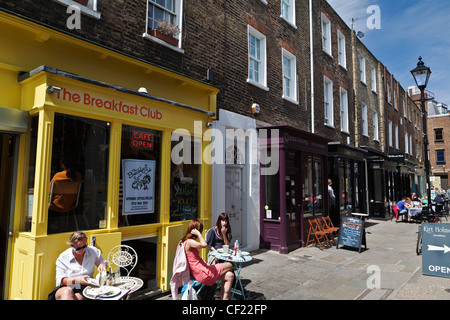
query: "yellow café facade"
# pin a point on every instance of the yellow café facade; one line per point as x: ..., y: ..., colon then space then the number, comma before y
x: 56, y: 106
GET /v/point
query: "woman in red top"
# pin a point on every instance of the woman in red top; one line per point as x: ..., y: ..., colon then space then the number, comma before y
x: 200, y: 270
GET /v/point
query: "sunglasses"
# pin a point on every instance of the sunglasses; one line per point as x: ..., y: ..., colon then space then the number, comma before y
x: 80, y: 248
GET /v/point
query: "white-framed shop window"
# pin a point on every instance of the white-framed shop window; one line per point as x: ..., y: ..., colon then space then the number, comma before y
x: 257, y: 64
x: 289, y: 76
x: 328, y: 102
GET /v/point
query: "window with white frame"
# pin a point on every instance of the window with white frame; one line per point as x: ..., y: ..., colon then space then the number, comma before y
x: 341, y: 50
x: 374, y: 80
x: 164, y: 15
x: 88, y: 7
x: 406, y: 143
x: 288, y: 11
x: 390, y: 134
x: 388, y: 91
x: 365, y: 125
x: 344, y: 110
x: 257, y: 58
x: 362, y: 69
x: 328, y: 101
x: 375, y: 126
x: 396, y: 137
x: 395, y: 98
x: 289, y: 76
x: 410, y: 145
x: 326, y: 34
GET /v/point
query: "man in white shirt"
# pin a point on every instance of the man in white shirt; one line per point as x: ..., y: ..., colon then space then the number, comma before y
x: 74, y: 266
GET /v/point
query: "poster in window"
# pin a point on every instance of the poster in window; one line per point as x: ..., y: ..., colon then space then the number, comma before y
x: 138, y: 186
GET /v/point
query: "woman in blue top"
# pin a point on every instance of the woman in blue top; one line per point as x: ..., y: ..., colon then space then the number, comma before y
x: 220, y: 233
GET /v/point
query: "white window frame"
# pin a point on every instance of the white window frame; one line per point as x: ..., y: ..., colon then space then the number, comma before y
x: 177, y: 13
x: 374, y: 80
x: 292, y: 78
x: 261, y: 61
x: 289, y: 14
x: 342, y: 50
x: 406, y: 143
x: 362, y: 69
x: 388, y: 91
x: 344, y: 109
x: 375, y: 126
x: 395, y: 98
x: 390, y: 134
x: 365, y: 124
x: 328, y: 102
x: 326, y: 34
x: 396, y: 137
x: 90, y: 9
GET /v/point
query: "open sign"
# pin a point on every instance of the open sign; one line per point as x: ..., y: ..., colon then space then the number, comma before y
x: 142, y: 140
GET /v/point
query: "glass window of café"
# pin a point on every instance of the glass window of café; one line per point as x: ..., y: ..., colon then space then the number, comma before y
x: 186, y: 157
x: 313, y: 186
x: 140, y: 180
x: 79, y: 173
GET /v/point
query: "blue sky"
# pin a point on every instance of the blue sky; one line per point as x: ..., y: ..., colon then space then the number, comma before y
x: 409, y: 29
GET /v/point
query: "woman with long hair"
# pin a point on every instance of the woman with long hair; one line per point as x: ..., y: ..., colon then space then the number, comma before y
x: 200, y: 270
x: 220, y: 233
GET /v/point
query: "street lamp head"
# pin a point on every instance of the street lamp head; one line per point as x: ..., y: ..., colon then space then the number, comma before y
x: 421, y: 74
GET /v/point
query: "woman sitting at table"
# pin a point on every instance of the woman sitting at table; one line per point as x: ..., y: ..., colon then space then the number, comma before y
x: 200, y: 270
x: 74, y: 266
x: 220, y: 234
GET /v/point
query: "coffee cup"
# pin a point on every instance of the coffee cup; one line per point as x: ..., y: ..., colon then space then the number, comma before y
x: 225, y: 248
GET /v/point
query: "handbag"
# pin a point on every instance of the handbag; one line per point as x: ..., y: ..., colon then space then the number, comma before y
x: 189, y: 293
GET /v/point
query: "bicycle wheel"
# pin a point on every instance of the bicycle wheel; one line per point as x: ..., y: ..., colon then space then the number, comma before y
x: 419, y: 241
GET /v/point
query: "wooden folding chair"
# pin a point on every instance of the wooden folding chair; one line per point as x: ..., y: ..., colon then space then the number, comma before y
x: 323, y: 226
x: 329, y: 225
x: 318, y: 235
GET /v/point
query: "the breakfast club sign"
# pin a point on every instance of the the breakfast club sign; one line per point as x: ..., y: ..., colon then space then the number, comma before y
x: 114, y: 105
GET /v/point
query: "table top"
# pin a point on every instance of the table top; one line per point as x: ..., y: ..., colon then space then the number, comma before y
x: 219, y: 255
x: 126, y: 284
x: 360, y: 214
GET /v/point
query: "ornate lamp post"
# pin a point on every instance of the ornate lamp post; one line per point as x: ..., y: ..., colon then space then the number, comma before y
x: 421, y: 76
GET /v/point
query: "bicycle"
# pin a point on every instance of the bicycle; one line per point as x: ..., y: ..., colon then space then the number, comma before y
x: 432, y: 217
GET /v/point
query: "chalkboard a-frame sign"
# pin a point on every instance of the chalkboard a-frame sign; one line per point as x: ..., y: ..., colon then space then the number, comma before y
x: 352, y: 233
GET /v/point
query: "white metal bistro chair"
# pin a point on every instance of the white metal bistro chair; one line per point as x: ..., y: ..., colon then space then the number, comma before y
x: 122, y: 257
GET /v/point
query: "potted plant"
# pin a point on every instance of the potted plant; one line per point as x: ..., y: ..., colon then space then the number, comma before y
x: 166, y: 31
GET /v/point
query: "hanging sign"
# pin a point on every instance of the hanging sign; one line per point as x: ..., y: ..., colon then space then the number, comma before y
x: 138, y: 186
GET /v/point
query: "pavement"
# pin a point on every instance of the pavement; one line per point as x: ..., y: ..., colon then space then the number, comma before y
x: 389, y: 269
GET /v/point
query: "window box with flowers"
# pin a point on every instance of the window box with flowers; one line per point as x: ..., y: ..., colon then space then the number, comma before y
x: 166, y: 31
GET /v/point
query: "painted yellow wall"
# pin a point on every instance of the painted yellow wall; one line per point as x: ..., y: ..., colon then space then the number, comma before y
x: 34, y: 253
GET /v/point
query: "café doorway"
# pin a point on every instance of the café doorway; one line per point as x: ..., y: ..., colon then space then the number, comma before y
x: 147, y: 266
x: 8, y: 156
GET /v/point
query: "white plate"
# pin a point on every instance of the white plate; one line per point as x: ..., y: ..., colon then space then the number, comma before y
x: 245, y: 253
x: 105, y: 292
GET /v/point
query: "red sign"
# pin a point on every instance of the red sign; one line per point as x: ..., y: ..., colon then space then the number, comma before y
x: 141, y: 140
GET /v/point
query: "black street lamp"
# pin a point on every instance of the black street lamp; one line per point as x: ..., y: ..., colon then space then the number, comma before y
x: 421, y: 76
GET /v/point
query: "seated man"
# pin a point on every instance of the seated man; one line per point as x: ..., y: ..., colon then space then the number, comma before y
x: 403, y: 206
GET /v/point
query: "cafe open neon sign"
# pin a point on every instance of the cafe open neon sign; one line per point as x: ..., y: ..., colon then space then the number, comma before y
x: 141, y: 140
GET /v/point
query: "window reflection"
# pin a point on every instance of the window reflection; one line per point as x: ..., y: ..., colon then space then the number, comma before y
x: 139, y: 190
x: 79, y: 171
x: 185, y: 178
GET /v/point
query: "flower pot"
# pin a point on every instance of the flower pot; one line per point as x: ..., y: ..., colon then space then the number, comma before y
x: 164, y: 37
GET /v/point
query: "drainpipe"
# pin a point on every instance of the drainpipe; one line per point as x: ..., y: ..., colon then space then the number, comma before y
x: 311, y: 54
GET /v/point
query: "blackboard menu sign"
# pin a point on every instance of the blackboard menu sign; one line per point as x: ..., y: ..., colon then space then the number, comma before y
x: 352, y: 233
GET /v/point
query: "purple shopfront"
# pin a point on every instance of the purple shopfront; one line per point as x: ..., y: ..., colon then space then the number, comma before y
x: 297, y: 191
